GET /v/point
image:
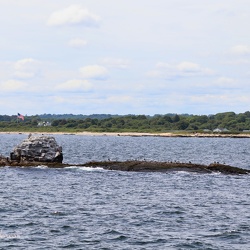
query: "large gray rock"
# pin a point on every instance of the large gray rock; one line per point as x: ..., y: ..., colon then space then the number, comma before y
x: 41, y: 149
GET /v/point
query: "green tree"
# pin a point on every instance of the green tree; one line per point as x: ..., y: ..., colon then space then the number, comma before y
x: 176, y: 118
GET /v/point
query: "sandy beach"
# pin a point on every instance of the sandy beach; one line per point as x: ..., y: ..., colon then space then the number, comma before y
x: 136, y: 134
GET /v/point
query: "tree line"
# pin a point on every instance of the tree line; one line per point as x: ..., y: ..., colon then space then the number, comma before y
x: 229, y: 121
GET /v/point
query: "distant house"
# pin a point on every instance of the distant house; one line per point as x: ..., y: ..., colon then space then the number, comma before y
x: 220, y: 130
x: 44, y: 124
x: 217, y: 130
x: 206, y: 130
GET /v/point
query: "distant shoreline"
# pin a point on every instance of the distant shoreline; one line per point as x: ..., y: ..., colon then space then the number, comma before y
x: 136, y: 134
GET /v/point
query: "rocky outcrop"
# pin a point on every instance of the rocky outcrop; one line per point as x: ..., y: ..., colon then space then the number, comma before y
x: 154, y: 166
x: 44, y: 149
x: 38, y: 149
x: 137, y: 166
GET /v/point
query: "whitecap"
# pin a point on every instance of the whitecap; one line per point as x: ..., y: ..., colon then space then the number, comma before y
x: 42, y: 167
x: 89, y: 169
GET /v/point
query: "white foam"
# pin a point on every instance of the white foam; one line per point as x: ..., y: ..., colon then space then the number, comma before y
x: 89, y: 169
x: 42, y: 167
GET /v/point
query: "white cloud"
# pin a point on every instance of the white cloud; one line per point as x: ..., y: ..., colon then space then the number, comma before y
x: 78, y: 43
x: 75, y: 101
x: 23, y: 74
x: 120, y: 99
x: 73, y: 15
x: 115, y: 63
x: 218, y: 100
x: 237, y: 62
x: 26, y: 68
x: 240, y: 50
x: 226, y: 82
x: 188, y: 67
x: 75, y: 85
x: 155, y: 74
x: 13, y: 86
x: 6, y: 70
x: 182, y: 69
x: 96, y: 72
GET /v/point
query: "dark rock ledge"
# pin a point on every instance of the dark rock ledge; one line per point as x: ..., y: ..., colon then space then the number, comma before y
x: 44, y: 150
x: 153, y: 166
x: 134, y: 166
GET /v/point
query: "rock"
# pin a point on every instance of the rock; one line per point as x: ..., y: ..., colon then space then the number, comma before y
x: 135, y: 166
x: 3, y: 160
x: 153, y: 166
x: 39, y: 149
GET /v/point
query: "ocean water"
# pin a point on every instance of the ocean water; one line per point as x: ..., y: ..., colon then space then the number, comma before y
x: 82, y: 208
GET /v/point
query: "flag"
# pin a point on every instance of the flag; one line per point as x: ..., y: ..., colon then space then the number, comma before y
x: 20, y: 116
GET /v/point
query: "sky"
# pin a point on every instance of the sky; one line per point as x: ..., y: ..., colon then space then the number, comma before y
x: 124, y: 57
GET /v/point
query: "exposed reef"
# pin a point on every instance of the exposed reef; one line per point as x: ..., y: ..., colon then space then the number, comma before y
x: 135, y: 166
x: 154, y: 166
x: 44, y: 150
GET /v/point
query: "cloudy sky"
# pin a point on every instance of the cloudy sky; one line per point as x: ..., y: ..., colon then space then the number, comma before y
x: 124, y: 57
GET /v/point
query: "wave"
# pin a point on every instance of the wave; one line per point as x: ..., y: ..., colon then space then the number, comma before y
x: 89, y: 169
x: 42, y: 167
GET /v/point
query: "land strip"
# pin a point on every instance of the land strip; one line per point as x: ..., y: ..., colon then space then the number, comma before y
x: 136, y: 134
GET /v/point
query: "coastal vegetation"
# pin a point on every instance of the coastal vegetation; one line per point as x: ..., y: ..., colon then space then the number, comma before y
x: 227, y: 122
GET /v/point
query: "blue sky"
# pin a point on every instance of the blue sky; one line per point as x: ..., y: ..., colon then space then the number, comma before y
x: 124, y: 57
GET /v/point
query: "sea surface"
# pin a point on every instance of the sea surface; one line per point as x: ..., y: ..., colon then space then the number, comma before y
x: 84, y: 208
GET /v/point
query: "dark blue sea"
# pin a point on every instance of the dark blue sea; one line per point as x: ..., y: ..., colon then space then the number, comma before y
x: 82, y: 208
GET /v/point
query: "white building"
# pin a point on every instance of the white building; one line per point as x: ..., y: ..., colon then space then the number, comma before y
x: 44, y: 124
x: 219, y: 130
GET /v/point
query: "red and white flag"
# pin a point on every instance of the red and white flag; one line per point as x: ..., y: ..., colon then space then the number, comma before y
x: 19, y: 116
